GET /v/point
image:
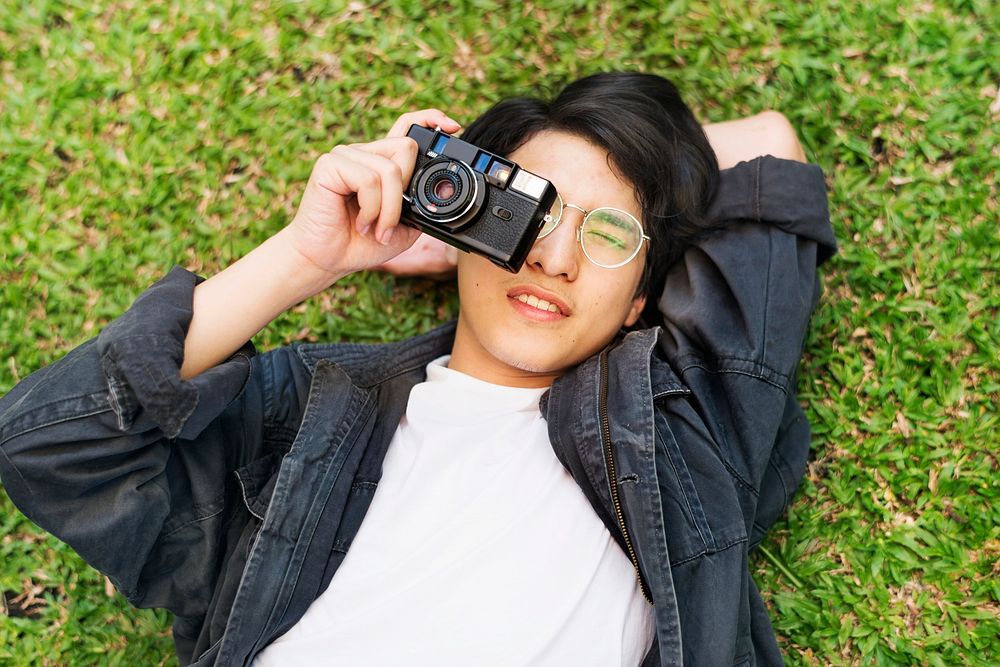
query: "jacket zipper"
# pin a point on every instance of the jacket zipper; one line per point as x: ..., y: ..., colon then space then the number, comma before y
x: 609, y: 460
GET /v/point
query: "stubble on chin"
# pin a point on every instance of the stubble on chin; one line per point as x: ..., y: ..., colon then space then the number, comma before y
x: 526, y: 365
x: 535, y: 361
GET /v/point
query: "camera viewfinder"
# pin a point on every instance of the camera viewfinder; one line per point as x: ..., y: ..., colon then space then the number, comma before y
x: 498, y: 172
x: 482, y: 160
x: 439, y: 143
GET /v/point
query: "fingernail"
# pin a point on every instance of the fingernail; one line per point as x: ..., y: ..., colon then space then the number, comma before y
x: 364, y: 230
x: 387, y: 236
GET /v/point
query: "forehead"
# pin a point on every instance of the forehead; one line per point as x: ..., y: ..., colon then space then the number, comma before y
x: 581, y: 171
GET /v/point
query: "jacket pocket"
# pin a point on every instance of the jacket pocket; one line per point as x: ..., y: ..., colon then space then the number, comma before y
x: 701, y: 502
x: 683, y: 512
x: 254, y: 487
x: 256, y: 481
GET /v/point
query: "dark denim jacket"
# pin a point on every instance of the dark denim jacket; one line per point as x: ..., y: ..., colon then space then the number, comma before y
x: 231, y: 499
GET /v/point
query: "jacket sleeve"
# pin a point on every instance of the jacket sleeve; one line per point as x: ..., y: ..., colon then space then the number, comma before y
x: 737, y: 305
x: 109, y: 450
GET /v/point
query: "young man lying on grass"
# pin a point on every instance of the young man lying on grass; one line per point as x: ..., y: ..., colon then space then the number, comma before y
x: 528, y: 486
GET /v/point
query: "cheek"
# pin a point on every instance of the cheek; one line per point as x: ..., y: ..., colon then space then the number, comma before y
x: 476, y: 273
x: 470, y: 282
x: 605, y: 318
x: 616, y: 307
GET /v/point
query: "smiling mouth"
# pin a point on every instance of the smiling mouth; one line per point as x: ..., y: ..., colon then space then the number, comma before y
x: 540, y: 304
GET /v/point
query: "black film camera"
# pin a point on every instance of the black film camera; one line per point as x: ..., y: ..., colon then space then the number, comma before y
x: 474, y: 200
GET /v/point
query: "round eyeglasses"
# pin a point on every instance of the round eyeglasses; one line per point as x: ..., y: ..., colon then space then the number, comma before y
x: 610, y: 237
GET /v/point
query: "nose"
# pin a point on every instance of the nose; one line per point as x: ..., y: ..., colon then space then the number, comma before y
x: 558, y: 253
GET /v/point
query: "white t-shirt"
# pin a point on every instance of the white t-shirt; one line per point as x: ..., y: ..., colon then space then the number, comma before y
x: 478, y: 549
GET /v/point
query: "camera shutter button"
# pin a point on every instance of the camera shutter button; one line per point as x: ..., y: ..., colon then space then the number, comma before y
x: 502, y: 213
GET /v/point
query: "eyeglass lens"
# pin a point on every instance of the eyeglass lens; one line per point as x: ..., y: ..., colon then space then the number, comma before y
x: 610, y: 237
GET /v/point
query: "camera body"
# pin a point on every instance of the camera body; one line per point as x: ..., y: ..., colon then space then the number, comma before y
x: 474, y: 200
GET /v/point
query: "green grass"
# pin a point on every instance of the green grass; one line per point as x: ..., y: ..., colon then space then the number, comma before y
x: 136, y: 135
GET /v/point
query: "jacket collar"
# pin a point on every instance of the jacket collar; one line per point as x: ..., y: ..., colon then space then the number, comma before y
x: 636, y: 376
x: 368, y: 365
x: 572, y: 411
x: 371, y: 364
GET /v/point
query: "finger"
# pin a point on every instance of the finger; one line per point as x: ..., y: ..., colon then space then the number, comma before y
x: 401, y: 150
x: 391, y: 189
x: 425, y: 118
x: 428, y: 257
x: 363, y: 181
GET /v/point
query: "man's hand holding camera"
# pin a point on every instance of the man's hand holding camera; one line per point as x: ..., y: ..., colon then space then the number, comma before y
x: 348, y: 219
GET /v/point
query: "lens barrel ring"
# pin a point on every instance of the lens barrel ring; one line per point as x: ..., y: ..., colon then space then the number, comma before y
x: 461, y: 206
x: 434, y: 182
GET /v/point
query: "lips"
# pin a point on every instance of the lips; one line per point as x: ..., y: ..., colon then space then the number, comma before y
x: 540, y: 299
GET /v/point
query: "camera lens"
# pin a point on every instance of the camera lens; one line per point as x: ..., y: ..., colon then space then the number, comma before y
x: 447, y: 193
x: 442, y: 188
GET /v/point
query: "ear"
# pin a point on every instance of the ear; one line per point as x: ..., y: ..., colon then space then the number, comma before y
x: 638, y: 303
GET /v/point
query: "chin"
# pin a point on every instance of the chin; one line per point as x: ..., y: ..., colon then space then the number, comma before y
x: 527, y: 364
x: 528, y: 358
x: 517, y: 352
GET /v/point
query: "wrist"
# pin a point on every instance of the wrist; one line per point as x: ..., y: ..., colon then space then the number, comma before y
x: 230, y: 308
x: 299, y: 273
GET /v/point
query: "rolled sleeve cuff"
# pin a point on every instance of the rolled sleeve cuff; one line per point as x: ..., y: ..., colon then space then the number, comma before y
x: 141, y: 356
x: 788, y: 194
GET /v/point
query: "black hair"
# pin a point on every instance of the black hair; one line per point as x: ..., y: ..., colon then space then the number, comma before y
x: 653, y: 141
